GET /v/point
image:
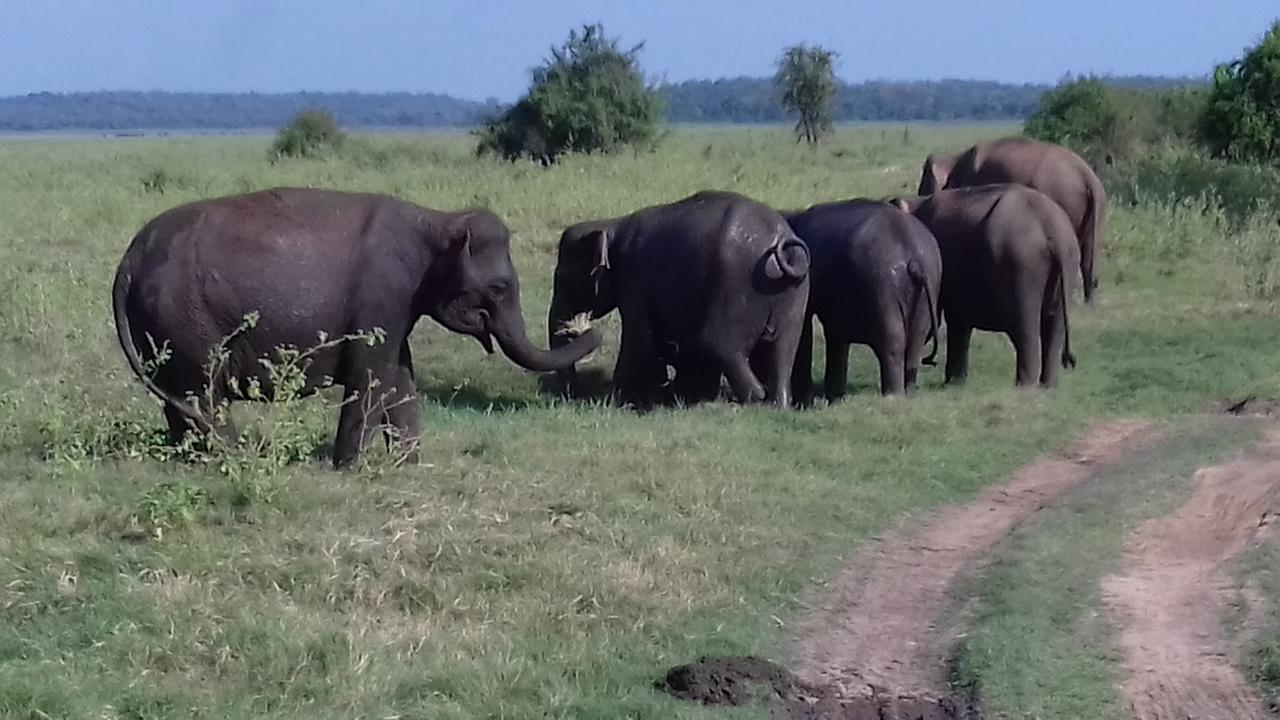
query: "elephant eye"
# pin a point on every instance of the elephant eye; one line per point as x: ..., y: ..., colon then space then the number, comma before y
x: 499, y: 289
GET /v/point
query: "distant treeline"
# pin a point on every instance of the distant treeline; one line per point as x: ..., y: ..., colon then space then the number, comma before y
x: 735, y: 100
x: 154, y: 110
x: 754, y: 100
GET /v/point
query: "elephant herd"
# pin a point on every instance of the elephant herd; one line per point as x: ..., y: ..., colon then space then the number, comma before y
x: 714, y: 286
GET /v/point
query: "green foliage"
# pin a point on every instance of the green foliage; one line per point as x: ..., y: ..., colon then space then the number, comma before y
x: 170, y: 504
x: 1107, y: 123
x: 806, y: 82
x: 1077, y: 114
x: 1180, y: 176
x: 589, y: 96
x: 313, y: 132
x: 1242, y: 119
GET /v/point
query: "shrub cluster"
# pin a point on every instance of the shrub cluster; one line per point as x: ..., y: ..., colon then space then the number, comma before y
x: 589, y: 96
x: 313, y: 132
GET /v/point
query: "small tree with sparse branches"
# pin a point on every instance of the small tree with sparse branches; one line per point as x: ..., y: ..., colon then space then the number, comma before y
x: 806, y: 79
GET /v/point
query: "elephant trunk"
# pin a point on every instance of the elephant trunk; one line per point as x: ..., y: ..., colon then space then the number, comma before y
x: 557, y: 317
x: 507, y: 328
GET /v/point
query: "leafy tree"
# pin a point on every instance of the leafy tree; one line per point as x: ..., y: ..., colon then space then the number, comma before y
x: 310, y: 133
x: 588, y: 96
x: 1080, y: 114
x: 1242, y: 119
x: 806, y: 80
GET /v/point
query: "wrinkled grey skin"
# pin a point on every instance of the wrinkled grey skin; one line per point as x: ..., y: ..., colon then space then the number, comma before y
x: 315, y: 262
x: 875, y: 280
x: 1008, y: 254
x: 715, y: 284
x: 1053, y: 170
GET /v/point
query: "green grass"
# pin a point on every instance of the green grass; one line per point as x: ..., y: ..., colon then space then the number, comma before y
x: 552, y: 559
x: 1036, y: 645
x: 1257, y: 629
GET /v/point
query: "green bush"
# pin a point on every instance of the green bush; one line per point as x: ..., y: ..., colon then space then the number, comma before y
x: 589, y: 96
x: 311, y: 133
x: 1079, y: 114
x: 1242, y: 119
x: 1183, y: 176
x: 1101, y: 121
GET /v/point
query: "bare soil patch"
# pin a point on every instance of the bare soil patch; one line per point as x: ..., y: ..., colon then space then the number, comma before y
x: 875, y: 629
x: 739, y: 681
x: 1170, y: 596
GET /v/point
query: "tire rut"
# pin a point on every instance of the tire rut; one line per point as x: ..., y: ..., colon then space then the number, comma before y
x: 1170, y: 595
x: 876, y: 626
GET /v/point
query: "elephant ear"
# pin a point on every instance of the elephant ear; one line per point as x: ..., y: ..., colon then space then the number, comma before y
x: 458, y: 253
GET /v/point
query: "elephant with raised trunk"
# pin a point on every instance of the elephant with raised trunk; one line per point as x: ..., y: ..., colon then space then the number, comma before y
x: 713, y: 285
x: 875, y: 281
x: 1053, y: 170
x: 314, y: 265
x: 1008, y: 254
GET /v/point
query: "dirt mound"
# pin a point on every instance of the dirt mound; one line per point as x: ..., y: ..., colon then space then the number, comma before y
x: 739, y: 681
x: 1168, y: 598
x: 1250, y: 405
x: 877, y: 622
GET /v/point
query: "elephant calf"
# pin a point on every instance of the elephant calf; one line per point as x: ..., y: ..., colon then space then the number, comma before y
x: 715, y: 284
x: 1053, y: 170
x: 313, y: 264
x: 1008, y: 254
x: 875, y: 281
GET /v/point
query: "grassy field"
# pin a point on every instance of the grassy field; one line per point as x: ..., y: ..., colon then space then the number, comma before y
x: 551, y: 559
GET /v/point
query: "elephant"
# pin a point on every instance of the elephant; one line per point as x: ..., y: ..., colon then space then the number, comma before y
x: 875, y: 280
x: 1053, y: 170
x: 322, y: 270
x: 714, y: 285
x: 1008, y: 254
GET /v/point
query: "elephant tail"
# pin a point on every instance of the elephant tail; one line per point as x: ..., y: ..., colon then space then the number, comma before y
x: 1068, y: 359
x: 787, y: 257
x: 119, y: 297
x: 918, y: 278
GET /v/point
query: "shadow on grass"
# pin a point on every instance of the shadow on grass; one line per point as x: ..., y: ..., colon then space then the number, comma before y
x: 470, y: 397
x: 592, y: 385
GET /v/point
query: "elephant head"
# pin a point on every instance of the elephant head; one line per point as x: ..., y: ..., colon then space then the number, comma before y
x: 583, y: 282
x: 936, y: 171
x: 481, y: 295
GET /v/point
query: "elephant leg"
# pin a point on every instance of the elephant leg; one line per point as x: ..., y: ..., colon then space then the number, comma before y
x: 696, y: 380
x: 891, y: 353
x: 364, y: 410
x: 1026, y: 346
x: 747, y: 388
x: 404, y: 423
x: 780, y: 362
x: 835, y: 378
x: 636, y: 368
x: 1053, y: 337
x: 802, y: 369
x: 916, y: 332
x: 959, y: 336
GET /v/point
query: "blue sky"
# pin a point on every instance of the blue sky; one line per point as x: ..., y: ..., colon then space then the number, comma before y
x: 484, y: 48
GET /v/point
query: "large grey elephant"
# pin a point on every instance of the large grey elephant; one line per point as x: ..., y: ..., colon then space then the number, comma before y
x: 314, y: 264
x: 876, y: 279
x: 1007, y: 258
x: 712, y: 285
x: 1053, y: 170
